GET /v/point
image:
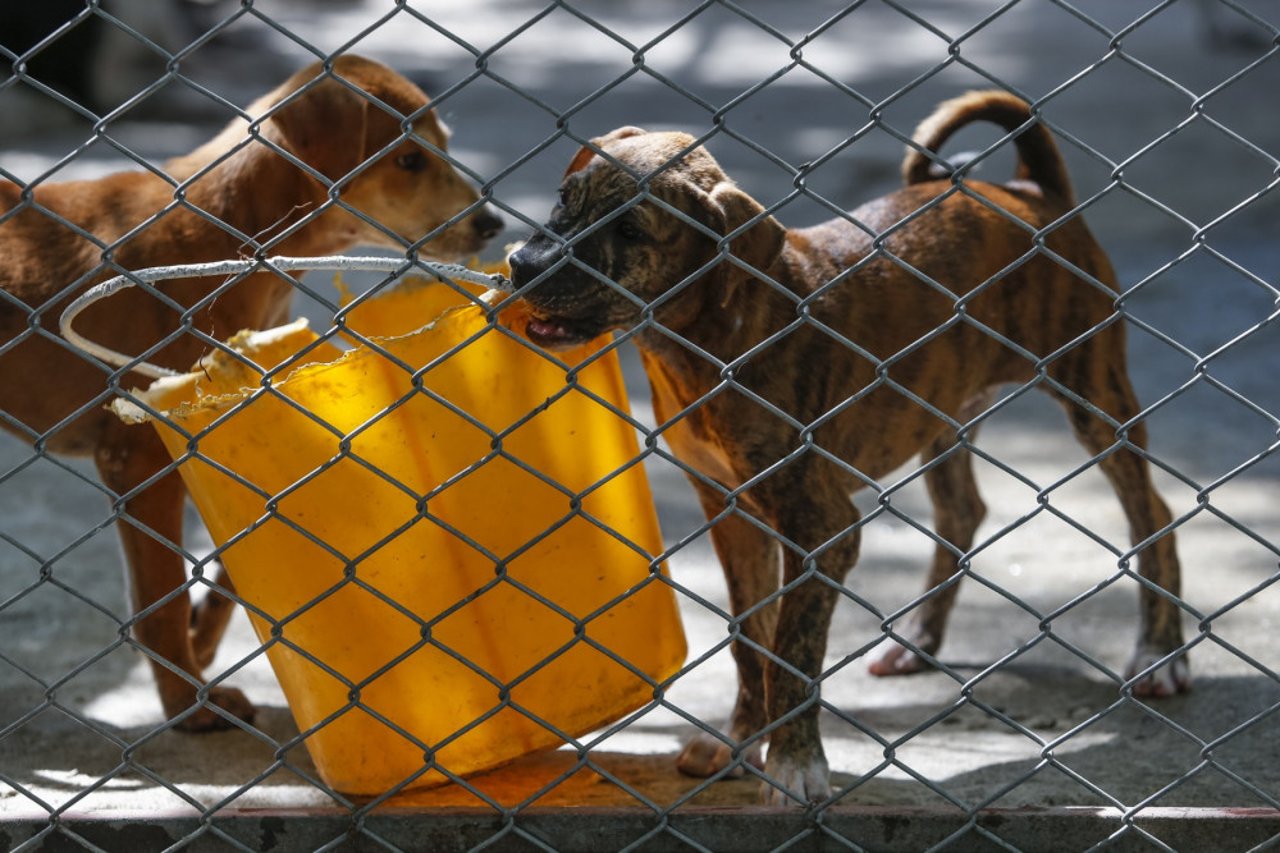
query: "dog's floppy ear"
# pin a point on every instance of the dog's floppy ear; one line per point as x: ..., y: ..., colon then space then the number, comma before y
x: 586, y: 152
x: 758, y: 246
x: 325, y: 127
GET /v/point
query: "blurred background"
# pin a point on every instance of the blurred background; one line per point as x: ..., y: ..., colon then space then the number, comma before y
x: 1167, y: 121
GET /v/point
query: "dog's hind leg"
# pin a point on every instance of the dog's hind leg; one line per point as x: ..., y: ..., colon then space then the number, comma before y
x: 957, y: 510
x: 1095, y: 372
x: 150, y: 507
x: 749, y: 559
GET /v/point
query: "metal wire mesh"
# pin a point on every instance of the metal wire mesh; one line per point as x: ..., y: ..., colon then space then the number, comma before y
x: 1205, y: 214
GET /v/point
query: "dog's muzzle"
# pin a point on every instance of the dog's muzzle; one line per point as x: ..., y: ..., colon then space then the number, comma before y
x: 527, y: 264
x: 550, y: 324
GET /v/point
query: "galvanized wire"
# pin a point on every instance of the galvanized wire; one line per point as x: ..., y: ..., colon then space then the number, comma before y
x: 117, y: 366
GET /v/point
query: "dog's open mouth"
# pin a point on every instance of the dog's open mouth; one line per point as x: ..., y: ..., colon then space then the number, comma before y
x: 551, y: 331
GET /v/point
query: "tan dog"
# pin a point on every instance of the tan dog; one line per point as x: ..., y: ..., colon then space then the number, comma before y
x: 239, y: 197
x: 791, y: 367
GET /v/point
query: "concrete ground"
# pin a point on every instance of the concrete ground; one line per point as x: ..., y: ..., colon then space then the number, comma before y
x: 77, y: 711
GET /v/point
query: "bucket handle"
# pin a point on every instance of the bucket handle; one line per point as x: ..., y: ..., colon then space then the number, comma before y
x: 284, y: 264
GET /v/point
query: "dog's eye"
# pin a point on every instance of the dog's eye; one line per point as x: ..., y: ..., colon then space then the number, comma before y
x: 564, y: 197
x: 628, y: 230
x: 414, y: 161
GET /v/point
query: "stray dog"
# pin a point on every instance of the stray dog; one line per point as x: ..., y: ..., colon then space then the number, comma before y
x: 790, y: 367
x: 235, y: 195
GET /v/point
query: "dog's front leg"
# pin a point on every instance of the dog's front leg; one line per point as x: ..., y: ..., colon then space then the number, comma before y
x: 209, y: 618
x: 150, y: 527
x: 818, y: 521
x: 749, y: 559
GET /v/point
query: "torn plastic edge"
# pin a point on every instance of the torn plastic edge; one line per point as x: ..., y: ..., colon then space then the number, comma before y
x: 139, y: 405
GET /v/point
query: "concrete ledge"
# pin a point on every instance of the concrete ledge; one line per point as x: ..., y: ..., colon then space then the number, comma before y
x: 590, y: 830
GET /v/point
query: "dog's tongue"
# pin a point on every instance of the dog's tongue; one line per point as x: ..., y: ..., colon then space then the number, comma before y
x: 547, y: 328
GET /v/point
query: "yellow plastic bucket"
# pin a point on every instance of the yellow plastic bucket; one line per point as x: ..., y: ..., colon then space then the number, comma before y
x: 513, y: 606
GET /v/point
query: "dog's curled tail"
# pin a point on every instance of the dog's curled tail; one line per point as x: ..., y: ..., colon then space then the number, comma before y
x: 1038, y: 157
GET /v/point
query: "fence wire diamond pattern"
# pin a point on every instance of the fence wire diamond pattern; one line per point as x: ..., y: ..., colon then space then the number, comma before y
x: 1161, y: 116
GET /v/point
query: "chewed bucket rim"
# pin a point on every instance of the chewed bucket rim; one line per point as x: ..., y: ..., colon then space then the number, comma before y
x: 140, y: 405
x: 282, y: 264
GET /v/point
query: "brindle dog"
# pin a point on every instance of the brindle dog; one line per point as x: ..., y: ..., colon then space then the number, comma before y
x: 790, y: 367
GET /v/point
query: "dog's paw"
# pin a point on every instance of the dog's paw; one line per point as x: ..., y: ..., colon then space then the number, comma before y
x: 1170, y: 678
x: 897, y: 659
x: 205, y: 719
x: 795, y: 782
x: 706, y: 755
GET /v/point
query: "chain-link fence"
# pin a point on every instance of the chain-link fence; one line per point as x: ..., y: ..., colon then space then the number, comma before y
x: 1034, y: 726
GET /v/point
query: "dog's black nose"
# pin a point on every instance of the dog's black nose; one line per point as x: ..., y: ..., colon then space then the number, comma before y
x: 522, y: 265
x: 487, y: 223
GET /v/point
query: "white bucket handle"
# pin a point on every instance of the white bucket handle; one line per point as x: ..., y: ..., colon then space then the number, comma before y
x: 284, y: 264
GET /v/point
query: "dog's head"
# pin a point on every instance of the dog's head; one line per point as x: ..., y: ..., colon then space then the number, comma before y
x: 639, y: 226
x: 371, y: 133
